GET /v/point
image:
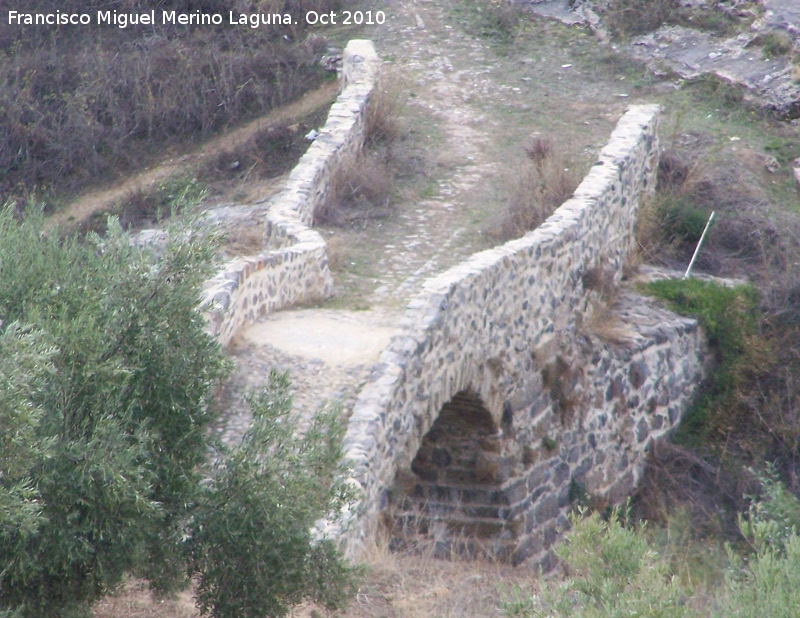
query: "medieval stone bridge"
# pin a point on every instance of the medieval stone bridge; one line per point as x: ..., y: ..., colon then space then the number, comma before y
x: 513, y: 385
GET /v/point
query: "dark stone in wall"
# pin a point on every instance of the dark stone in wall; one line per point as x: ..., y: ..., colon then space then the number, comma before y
x: 546, y: 509
x: 642, y: 430
x: 440, y: 457
x: 561, y: 474
x: 637, y: 374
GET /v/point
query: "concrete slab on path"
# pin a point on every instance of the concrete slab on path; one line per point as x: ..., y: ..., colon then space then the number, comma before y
x: 337, y: 337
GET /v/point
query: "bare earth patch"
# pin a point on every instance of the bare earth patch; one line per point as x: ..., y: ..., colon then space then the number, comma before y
x: 343, y: 337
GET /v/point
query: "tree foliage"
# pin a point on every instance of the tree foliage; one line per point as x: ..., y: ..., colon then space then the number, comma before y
x: 106, y: 371
x: 106, y: 374
x: 258, y: 512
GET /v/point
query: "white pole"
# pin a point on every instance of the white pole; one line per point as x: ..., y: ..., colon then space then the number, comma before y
x: 699, y: 243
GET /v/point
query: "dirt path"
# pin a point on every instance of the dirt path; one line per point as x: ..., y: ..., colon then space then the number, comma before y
x: 84, y: 206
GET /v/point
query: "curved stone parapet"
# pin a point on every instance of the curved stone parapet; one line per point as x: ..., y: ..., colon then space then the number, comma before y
x: 489, y: 327
x: 293, y: 267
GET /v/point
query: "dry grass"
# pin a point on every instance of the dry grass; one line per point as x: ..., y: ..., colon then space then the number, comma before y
x: 403, y: 585
x: 676, y: 476
x: 773, y: 43
x: 382, y: 115
x: 535, y: 188
x: 362, y: 190
x: 359, y: 192
x: 244, y: 241
x: 603, y: 321
x: 396, y: 585
x: 632, y: 17
x: 270, y: 151
x: 749, y: 238
x: 753, y: 238
x: 672, y: 221
x: 94, y: 102
x: 134, y: 600
x: 626, y: 18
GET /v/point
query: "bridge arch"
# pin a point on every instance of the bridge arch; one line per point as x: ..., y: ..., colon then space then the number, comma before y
x: 456, y: 493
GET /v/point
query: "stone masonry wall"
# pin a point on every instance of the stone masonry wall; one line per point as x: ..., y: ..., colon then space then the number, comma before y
x: 495, y: 325
x: 293, y: 268
x: 601, y: 395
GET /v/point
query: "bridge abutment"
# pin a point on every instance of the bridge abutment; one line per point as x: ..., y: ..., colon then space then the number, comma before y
x: 502, y: 491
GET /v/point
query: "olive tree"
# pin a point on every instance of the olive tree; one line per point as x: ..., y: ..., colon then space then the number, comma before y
x: 258, y: 512
x: 106, y: 373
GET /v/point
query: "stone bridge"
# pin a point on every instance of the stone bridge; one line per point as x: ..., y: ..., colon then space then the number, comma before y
x: 522, y: 379
x: 515, y: 388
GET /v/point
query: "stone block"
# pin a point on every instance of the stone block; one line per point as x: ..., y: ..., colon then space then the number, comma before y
x: 546, y: 509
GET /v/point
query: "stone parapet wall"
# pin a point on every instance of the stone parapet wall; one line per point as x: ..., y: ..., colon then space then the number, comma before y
x: 493, y: 324
x: 293, y: 267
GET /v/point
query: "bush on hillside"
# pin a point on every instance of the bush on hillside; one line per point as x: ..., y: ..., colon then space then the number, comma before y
x: 613, y: 569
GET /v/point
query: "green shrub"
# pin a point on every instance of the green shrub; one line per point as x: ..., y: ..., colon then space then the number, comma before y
x: 681, y: 220
x: 613, y: 571
x: 121, y: 420
x: 774, y: 44
x: 773, y: 518
x: 496, y: 20
x: 25, y: 361
x: 768, y: 587
x: 728, y: 315
x: 626, y: 18
x: 631, y: 17
x: 252, y: 551
x: 767, y: 582
x: 107, y: 371
x: 718, y: 92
